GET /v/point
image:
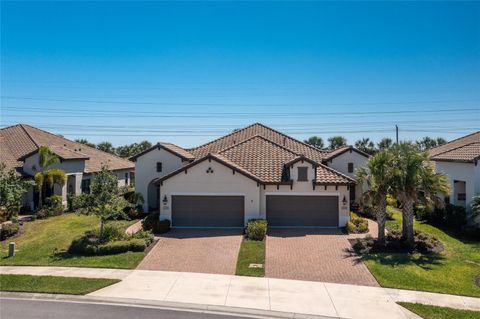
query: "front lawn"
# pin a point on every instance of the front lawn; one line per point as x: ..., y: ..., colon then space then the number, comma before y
x: 251, y: 252
x: 53, y: 285
x: 45, y: 243
x: 434, y: 312
x: 452, y: 272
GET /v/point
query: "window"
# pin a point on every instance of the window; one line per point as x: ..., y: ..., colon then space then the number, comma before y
x: 159, y: 167
x: 350, y: 167
x: 85, y: 186
x: 303, y: 174
x: 461, y: 196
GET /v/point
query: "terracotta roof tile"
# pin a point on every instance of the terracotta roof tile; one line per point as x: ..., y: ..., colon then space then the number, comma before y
x: 236, y: 137
x: 464, y: 149
x: 177, y: 149
x: 19, y: 140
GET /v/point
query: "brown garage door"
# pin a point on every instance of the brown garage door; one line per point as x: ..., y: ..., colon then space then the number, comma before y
x: 207, y: 211
x: 302, y: 211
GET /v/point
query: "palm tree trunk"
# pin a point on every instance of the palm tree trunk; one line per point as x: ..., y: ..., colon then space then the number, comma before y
x: 381, y: 217
x: 408, y: 221
x: 40, y: 195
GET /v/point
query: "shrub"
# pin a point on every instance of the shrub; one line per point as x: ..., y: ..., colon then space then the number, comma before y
x: 145, y: 235
x: 86, y: 245
x: 367, y: 211
x: 455, y: 216
x: 391, y: 201
x: 256, y: 229
x: 8, y: 230
x: 357, y: 224
x: 112, y: 232
x: 41, y: 214
x: 80, y: 201
x: 134, y: 212
x: 54, y: 205
x: 152, y: 222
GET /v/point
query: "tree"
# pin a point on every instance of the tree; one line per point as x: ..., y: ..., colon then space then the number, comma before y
x: 426, y: 143
x: 106, y: 147
x: 105, y: 200
x: 12, y: 188
x: 129, y: 150
x: 315, y: 141
x: 337, y: 142
x: 52, y: 176
x: 385, y: 144
x: 365, y: 145
x: 85, y: 142
x: 475, y: 206
x: 441, y: 141
x: 376, y: 175
x: 412, y: 182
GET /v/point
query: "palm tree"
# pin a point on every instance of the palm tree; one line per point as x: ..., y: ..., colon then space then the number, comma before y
x: 337, y: 142
x: 413, y: 182
x: 106, y: 147
x: 385, y: 144
x: 365, y: 145
x: 53, y: 176
x: 315, y: 141
x: 376, y: 175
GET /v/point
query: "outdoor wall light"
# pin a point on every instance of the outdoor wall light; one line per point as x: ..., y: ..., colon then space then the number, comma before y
x: 344, y: 201
x: 165, y: 200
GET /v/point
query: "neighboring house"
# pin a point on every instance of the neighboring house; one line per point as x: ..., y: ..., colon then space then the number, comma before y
x: 254, y: 172
x: 458, y: 159
x: 19, y: 145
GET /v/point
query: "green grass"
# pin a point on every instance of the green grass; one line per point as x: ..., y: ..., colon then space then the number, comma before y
x: 45, y: 243
x: 434, y: 312
x: 54, y: 285
x: 251, y: 252
x: 452, y: 272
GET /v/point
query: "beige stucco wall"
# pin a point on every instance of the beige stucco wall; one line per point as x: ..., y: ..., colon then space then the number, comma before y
x: 70, y: 166
x: 146, y: 170
x: 221, y: 182
x: 467, y: 172
x: 340, y: 163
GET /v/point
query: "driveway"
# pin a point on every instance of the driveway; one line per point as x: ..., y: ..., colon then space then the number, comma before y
x: 314, y: 255
x: 212, y: 251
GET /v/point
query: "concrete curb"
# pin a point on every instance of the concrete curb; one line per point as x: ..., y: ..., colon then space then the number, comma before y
x: 168, y: 305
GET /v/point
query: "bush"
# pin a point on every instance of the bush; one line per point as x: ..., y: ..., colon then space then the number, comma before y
x: 88, y: 244
x: 54, y: 205
x: 368, y: 212
x: 391, y: 201
x: 41, y: 214
x: 122, y: 246
x: 256, y: 229
x: 357, y: 224
x: 455, y: 216
x: 112, y: 232
x: 134, y: 212
x: 153, y: 223
x: 8, y: 230
x: 79, y: 201
x: 145, y: 235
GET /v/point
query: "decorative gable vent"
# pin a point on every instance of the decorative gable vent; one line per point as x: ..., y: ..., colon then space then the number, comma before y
x: 209, y: 170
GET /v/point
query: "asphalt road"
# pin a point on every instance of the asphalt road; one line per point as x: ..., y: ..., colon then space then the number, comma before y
x: 39, y: 309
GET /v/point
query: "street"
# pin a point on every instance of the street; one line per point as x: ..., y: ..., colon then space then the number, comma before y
x: 38, y: 309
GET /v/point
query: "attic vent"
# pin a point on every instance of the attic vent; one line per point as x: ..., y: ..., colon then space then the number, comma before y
x: 284, y: 141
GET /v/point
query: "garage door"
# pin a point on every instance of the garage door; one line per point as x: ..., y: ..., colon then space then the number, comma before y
x: 302, y: 211
x: 208, y: 211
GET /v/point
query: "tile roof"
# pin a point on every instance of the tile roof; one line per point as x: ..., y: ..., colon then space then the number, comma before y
x: 338, y: 151
x: 265, y: 161
x: 19, y: 140
x: 240, y: 135
x: 464, y: 149
x: 172, y: 148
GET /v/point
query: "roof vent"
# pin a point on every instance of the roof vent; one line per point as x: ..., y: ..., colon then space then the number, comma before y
x: 284, y: 141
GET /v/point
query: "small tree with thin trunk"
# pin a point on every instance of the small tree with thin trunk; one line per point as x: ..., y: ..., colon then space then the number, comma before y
x: 105, y: 200
x: 376, y: 176
x: 12, y: 188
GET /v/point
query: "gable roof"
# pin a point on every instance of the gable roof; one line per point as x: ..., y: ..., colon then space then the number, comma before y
x: 265, y: 161
x: 339, y: 151
x: 255, y: 129
x: 22, y: 140
x: 170, y: 147
x: 463, y: 149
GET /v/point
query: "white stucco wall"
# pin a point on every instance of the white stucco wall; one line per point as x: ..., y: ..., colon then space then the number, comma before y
x: 146, y: 170
x: 221, y: 182
x: 340, y: 163
x: 467, y: 172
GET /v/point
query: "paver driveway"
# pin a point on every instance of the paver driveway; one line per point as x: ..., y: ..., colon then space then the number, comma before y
x: 316, y: 255
x: 212, y: 251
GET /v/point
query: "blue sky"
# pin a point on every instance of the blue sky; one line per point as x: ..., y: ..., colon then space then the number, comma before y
x: 189, y: 72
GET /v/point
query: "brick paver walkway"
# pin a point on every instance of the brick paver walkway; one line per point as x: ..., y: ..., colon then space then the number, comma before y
x: 211, y: 251
x: 315, y: 255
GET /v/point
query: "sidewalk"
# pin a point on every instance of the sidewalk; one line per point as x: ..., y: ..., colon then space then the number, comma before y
x: 304, y: 297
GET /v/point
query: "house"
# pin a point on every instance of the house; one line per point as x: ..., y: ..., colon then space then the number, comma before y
x: 459, y: 160
x: 19, y: 145
x: 254, y: 172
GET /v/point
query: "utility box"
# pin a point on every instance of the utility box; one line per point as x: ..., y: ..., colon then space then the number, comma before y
x: 11, y: 249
